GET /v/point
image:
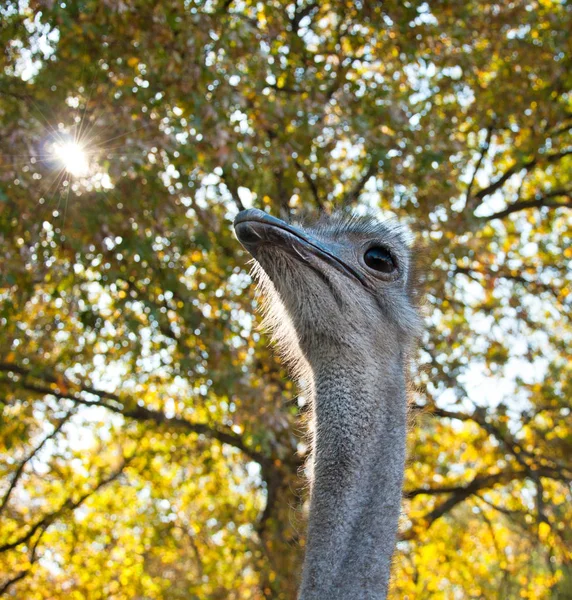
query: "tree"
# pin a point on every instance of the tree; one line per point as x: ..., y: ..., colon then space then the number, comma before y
x: 149, y: 438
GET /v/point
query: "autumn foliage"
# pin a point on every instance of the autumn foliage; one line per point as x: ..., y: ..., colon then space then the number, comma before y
x: 150, y: 442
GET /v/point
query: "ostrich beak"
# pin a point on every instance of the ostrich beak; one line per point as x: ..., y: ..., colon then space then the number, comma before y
x: 254, y: 228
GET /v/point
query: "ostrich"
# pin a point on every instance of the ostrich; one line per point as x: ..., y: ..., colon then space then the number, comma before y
x: 341, y: 305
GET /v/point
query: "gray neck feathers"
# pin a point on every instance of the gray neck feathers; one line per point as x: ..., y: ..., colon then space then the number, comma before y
x: 359, y: 430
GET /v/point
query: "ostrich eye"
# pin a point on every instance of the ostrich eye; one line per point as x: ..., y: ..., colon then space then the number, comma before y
x: 379, y: 259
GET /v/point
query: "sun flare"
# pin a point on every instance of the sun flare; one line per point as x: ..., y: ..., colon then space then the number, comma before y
x: 72, y: 157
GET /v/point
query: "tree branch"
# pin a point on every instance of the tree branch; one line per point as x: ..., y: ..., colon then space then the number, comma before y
x: 68, y: 505
x: 519, y: 166
x: 233, y: 189
x: 542, y: 202
x: 285, y: 89
x: 479, y: 482
x: 25, y: 572
x: 311, y: 183
x: 27, y: 459
x: 510, y: 276
x: 484, y: 151
x: 354, y: 193
x: 112, y: 402
x: 300, y: 14
x: 458, y: 494
x: 531, y: 463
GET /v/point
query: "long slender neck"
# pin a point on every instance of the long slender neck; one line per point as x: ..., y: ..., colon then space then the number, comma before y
x: 358, y: 459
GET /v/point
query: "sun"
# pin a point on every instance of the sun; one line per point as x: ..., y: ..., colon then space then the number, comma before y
x: 72, y: 157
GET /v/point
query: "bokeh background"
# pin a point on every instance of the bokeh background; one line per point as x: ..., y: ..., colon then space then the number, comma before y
x: 150, y: 441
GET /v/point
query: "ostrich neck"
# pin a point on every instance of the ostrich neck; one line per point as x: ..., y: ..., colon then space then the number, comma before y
x: 359, y: 412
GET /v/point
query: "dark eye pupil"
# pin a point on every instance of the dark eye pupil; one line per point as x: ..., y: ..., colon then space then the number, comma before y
x: 379, y: 259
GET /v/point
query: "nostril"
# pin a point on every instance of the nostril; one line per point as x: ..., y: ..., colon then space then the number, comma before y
x: 247, y: 234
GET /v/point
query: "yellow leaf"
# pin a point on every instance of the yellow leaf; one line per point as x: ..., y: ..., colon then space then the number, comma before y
x: 543, y: 531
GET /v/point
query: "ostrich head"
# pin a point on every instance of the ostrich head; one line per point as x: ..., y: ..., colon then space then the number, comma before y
x: 344, y: 282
